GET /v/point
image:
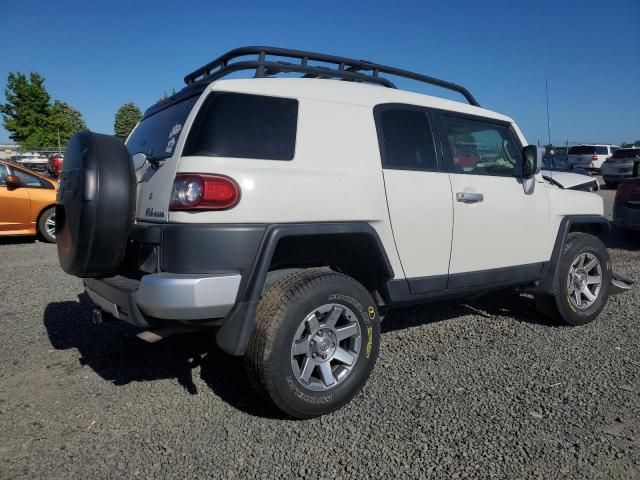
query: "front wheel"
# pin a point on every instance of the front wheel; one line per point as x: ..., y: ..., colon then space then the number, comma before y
x: 581, y: 287
x: 47, y: 225
x: 315, y: 342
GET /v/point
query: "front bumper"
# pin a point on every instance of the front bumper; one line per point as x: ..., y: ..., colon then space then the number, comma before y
x: 165, y: 296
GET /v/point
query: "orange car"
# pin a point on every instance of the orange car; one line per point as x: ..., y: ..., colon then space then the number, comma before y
x: 27, y: 203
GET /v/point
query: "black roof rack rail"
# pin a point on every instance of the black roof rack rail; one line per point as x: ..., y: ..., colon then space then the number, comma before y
x: 346, y: 68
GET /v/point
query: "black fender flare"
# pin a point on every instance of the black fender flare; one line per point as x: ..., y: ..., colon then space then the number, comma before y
x: 233, y: 336
x: 550, y: 270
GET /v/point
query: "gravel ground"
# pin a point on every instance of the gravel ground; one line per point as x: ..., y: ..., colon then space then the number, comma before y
x: 462, y: 390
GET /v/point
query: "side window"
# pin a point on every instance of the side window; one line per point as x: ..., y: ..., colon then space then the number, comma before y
x: 244, y: 126
x: 27, y: 179
x: 602, y: 150
x: 406, y: 139
x: 3, y: 175
x: 482, y: 148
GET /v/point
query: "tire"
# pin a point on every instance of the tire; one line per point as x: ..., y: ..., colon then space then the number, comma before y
x: 277, y: 363
x: 562, y: 303
x: 47, y: 225
x: 95, y: 205
x: 610, y: 185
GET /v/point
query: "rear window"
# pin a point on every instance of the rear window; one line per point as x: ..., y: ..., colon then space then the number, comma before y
x: 627, y: 153
x: 157, y: 134
x: 582, y: 150
x: 245, y: 126
x: 602, y: 151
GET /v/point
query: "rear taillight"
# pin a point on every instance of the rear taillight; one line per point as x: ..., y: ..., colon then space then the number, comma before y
x: 203, y: 192
x: 595, y: 157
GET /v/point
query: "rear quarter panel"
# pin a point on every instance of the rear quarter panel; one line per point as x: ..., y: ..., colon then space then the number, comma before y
x: 41, y: 198
x: 335, y: 176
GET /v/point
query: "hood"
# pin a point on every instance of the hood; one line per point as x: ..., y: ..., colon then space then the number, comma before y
x: 566, y: 179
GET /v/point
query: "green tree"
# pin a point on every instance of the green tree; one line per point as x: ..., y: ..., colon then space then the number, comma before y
x: 127, y: 117
x: 66, y: 121
x: 636, y: 143
x: 25, y: 115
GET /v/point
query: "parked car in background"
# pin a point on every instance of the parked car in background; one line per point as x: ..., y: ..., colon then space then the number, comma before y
x: 620, y: 166
x: 54, y: 165
x: 626, y: 208
x: 33, y: 161
x: 27, y: 203
x: 590, y: 156
x: 559, y: 163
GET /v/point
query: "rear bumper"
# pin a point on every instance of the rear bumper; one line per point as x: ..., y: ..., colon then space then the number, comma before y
x: 165, y: 296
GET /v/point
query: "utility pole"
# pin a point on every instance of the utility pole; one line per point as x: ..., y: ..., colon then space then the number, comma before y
x: 546, y: 87
x: 60, y: 148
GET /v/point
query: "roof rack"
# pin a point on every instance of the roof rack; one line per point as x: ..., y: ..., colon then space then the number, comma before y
x: 342, y: 68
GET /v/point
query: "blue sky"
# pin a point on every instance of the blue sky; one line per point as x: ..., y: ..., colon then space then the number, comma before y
x: 98, y: 55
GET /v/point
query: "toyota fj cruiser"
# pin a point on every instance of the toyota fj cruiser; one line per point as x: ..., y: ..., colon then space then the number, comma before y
x: 289, y: 212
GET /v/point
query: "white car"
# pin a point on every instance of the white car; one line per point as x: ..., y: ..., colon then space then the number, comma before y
x: 590, y: 156
x: 288, y: 213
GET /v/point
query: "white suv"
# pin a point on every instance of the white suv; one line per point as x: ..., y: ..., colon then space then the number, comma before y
x: 288, y: 213
x: 590, y: 156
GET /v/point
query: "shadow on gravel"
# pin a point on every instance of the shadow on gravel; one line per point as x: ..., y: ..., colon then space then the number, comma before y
x: 506, y: 303
x: 616, y: 239
x: 114, y: 352
x: 17, y: 240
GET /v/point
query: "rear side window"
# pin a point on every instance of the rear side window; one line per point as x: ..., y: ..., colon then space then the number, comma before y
x: 406, y: 139
x: 582, y: 150
x: 3, y: 175
x: 602, y: 151
x: 627, y: 153
x: 245, y: 126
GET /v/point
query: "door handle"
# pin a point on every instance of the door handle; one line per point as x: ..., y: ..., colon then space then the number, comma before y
x: 469, y: 197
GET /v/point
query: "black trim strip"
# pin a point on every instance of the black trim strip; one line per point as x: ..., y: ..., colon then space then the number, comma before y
x: 528, y: 272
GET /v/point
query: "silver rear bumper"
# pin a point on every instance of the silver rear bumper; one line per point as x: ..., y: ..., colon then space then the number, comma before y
x: 166, y: 296
x: 188, y: 296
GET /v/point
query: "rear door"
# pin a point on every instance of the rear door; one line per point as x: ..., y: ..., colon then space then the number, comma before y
x: 14, y: 205
x: 418, y: 194
x: 497, y: 226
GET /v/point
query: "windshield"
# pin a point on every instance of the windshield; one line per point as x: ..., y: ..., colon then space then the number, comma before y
x: 627, y: 153
x: 157, y: 134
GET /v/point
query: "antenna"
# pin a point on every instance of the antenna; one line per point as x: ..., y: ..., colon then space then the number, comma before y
x: 546, y: 87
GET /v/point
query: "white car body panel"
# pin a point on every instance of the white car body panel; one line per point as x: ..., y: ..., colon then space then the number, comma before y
x: 497, y: 232
x: 568, y: 179
x: 421, y: 209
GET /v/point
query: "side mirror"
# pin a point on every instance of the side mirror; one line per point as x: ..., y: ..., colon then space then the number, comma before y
x: 13, y: 182
x: 530, y: 161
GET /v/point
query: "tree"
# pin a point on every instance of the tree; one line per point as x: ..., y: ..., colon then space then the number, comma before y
x: 66, y: 120
x: 127, y: 117
x: 26, y: 112
x: 636, y: 143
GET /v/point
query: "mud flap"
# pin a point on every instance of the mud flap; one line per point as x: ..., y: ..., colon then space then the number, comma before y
x: 619, y: 284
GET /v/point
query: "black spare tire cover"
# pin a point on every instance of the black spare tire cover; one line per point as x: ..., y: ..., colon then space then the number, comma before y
x: 95, y: 205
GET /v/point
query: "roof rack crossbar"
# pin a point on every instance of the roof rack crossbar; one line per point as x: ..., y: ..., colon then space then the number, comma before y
x: 342, y: 68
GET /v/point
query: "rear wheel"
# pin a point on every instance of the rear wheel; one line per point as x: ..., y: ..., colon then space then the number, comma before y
x: 315, y: 342
x: 47, y: 225
x: 581, y: 287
